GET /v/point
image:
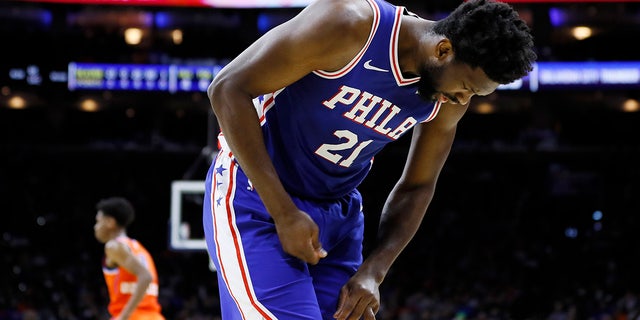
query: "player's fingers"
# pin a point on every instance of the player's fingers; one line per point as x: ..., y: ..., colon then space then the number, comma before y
x: 310, y: 254
x: 319, y: 251
x: 369, y: 314
x: 341, y: 302
x: 359, y: 310
x: 375, y: 307
x: 317, y: 246
x: 345, y: 305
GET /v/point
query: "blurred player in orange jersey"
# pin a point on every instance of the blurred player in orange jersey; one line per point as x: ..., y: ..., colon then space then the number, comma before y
x: 128, y: 268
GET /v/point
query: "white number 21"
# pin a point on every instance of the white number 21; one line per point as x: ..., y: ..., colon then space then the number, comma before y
x: 328, y: 150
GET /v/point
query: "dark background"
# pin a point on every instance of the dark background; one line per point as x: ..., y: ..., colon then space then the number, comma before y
x: 535, y: 215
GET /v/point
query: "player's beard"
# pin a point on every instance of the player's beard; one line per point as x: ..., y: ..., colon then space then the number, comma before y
x: 429, y: 78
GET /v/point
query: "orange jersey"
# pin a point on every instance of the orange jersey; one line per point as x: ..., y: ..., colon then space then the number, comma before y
x: 121, y: 284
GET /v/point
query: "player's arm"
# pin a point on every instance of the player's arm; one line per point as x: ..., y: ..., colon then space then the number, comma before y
x: 326, y: 35
x: 408, y: 201
x: 119, y: 253
x: 403, y: 211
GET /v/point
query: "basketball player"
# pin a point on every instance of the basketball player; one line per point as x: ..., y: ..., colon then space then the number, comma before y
x: 128, y: 268
x: 283, y: 217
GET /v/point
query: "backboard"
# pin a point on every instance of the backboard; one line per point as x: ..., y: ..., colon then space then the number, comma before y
x: 185, y: 230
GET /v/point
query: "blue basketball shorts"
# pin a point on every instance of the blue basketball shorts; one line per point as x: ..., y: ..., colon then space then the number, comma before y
x: 256, y: 278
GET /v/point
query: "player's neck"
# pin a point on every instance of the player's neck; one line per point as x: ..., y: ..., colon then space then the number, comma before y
x: 118, y: 233
x: 413, y: 38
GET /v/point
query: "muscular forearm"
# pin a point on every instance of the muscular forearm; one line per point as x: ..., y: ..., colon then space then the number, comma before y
x: 407, y: 204
x: 241, y: 129
x: 401, y: 217
x: 297, y: 232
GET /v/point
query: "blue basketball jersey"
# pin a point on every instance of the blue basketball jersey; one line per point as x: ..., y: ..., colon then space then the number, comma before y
x: 323, y: 131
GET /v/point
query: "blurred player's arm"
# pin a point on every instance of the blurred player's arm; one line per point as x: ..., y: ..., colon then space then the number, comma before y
x: 404, y: 210
x: 326, y: 35
x: 119, y: 253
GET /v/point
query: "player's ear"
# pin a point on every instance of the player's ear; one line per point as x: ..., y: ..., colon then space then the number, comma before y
x: 110, y: 222
x: 443, y: 49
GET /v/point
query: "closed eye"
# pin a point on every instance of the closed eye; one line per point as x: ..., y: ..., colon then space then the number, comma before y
x: 451, y: 98
x: 464, y: 86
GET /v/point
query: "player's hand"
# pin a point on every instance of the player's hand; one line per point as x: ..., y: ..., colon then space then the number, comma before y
x: 359, y: 299
x: 298, y: 235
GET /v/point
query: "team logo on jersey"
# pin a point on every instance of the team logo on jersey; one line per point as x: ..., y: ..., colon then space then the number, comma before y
x: 371, y: 111
x: 367, y: 65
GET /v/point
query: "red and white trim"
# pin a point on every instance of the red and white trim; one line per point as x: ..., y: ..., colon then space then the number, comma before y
x: 228, y: 243
x: 434, y: 112
x: 393, y: 51
x: 356, y: 59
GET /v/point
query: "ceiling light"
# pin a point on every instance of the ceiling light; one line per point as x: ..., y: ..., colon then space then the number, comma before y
x: 581, y: 32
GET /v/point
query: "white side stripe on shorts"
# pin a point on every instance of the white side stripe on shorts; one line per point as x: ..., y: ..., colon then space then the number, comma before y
x: 228, y: 242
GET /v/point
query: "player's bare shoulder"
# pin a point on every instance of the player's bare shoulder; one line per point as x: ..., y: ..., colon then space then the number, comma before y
x: 114, y: 248
x: 339, y: 29
x: 352, y: 17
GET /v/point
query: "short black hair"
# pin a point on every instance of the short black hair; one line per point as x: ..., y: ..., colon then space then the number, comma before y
x: 490, y: 35
x: 119, y: 208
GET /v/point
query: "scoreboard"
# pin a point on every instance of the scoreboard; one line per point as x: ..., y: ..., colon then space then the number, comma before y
x: 547, y: 76
x: 175, y: 78
x: 140, y: 77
